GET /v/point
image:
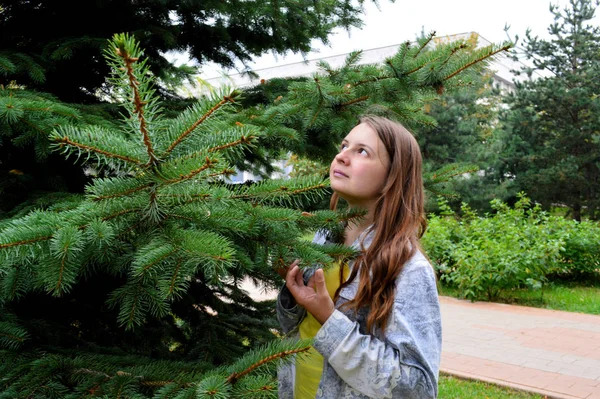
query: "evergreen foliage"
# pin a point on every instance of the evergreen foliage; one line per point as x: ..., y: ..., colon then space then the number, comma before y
x: 149, y: 263
x: 29, y: 169
x: 63, y: 54
x: 551, y: 139
x: 463, y: 141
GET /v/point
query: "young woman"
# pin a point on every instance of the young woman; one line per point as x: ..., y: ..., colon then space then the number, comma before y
x: 375, y: 321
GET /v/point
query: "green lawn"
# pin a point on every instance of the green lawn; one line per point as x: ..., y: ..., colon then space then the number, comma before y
x: 579, y: 297
x: 455, y: 388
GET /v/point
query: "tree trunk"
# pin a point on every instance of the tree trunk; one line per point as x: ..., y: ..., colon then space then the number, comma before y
x: 577, y: 212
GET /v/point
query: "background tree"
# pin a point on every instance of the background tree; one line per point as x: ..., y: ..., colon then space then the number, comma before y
x: 463, y: 137
x: 63, y: 54
x: 551, y: 137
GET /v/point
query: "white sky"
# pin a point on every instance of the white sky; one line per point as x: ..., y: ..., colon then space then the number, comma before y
x: 394, y: 23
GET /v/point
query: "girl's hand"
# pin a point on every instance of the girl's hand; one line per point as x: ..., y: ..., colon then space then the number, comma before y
x: 312, y: 296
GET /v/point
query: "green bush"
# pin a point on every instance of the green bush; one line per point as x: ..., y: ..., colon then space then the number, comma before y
x: 512, y: 248
x: 581, y: 256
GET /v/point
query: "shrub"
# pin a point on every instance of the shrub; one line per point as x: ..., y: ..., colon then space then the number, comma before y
x: 512, y: 248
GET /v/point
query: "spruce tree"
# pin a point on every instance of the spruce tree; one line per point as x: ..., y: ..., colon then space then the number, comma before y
x: 132, y: 289
x: 551, y: 144
x: 103, y: 293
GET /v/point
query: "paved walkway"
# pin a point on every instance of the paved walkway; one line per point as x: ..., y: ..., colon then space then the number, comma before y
x: 549, y: 352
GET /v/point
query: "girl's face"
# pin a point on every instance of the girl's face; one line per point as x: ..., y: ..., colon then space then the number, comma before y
x: 359, y: 171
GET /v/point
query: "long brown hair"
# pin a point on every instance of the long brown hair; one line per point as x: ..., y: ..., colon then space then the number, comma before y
x: 398, y: 224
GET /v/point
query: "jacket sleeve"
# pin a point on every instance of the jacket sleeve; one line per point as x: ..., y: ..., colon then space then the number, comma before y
x: 405, y: 363
x: 289, y: 313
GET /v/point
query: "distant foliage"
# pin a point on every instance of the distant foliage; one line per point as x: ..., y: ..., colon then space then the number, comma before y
x: 511, y: 248
x: 550, y: 136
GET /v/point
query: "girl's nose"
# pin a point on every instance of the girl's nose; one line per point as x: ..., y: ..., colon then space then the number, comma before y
x: 342, y: 157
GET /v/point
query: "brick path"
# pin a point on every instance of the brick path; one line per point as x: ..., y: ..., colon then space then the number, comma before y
x: 549, y: 352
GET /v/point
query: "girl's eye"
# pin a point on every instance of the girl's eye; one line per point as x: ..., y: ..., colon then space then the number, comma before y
x: 343, y: 146
x: 362, y: 151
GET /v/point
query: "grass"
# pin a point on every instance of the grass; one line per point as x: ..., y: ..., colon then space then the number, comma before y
x: 455, y: 388
x: 581, y: 296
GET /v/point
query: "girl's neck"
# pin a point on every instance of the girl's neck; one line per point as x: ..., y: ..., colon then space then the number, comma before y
x: 354, y: 230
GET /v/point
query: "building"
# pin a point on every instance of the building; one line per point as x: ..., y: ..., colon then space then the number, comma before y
x: 502, y: 66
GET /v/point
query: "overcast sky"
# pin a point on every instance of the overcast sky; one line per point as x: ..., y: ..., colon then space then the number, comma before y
x: 394, y: 23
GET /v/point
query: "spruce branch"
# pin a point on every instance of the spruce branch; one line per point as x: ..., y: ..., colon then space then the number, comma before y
x: 234, y: 377
x: 481, y: 58
x: 377, y: 78
x: 120, y: 213
x: 151, y: 256
x: 172, y: 287
x: 64, y: 111
x: 139, y: 105
x: 400, y: 56
x: 32, y: 125
x: 65, y: 141
x: 424, y: 43
x: 353, y: 101
x: 24, y: 242
x: 231, y: 98
x: 266, y: 355
x: 208, y: 163
x: 243, y: 140
x: 419, y: 67
x: 121, y: 194
x: 455, y: 49
x: 280, y: 190
x: 12, y: 336
x: 319, y: 103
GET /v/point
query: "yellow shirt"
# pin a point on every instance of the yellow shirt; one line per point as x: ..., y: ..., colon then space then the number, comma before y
x: 310, y: 366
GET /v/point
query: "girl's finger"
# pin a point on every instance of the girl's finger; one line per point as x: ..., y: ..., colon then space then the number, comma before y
x: 299, y: 276
x: 283, y: 271
x: 290, y: 278
x: 319, y: 283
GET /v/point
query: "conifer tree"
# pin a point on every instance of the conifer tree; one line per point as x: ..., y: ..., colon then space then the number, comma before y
x: 133, y: 288
x: 63, y: 54
x: 148, y: 263
x: 551, y: 144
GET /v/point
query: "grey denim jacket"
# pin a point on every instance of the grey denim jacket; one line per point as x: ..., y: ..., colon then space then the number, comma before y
x: 403, y: 363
